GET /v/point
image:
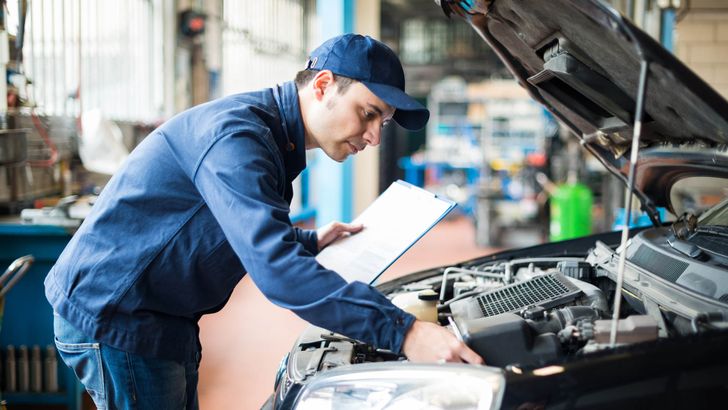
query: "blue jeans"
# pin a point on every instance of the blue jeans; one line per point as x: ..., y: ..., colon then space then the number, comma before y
x: 121, y: 380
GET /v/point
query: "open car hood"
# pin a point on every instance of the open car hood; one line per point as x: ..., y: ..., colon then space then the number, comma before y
x: 581, y: 60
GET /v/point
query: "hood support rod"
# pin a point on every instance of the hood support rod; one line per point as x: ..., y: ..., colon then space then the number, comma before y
x: 634, y: 153
x: 644, y: 65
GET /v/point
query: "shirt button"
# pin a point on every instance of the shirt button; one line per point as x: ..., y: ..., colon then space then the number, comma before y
x: 399, y: 321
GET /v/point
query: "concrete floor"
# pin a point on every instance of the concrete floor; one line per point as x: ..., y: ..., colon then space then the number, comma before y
x: 244, y: 343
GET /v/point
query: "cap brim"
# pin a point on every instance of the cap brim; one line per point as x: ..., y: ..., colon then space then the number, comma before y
x: 409, y: 113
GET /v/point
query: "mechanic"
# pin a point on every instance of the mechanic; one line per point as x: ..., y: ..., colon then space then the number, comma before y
x: 205, y: 199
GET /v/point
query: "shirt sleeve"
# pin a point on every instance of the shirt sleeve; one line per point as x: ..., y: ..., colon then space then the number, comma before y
x: 238, y: 177
x: 308, y: 238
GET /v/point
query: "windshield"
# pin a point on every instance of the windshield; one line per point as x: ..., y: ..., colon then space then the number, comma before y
x: 696, y: 195
x: 717, y: 215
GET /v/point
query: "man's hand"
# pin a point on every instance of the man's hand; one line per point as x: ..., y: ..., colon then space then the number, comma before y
x: 428, y: 342
x: 329, y: 233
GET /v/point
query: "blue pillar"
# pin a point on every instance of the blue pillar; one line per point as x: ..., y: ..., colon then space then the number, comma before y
x: 667, y: 26
x: 333, y: 181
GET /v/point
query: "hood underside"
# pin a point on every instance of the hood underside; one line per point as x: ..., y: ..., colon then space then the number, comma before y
x: 581, y: 60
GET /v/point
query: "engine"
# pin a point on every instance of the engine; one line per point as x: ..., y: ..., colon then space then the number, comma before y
x: 532, y: 311
x: 520, y: 312
x: 527, y: 312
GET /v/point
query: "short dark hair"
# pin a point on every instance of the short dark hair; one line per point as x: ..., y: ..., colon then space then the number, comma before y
x: 304, y: 77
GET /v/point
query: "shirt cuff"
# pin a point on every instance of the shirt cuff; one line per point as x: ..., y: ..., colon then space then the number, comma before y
x: 403, y: 321
x: 308, y: 238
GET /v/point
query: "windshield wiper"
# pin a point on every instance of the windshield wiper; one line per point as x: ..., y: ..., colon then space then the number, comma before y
x: 720, y: 230
x: 684, y: 247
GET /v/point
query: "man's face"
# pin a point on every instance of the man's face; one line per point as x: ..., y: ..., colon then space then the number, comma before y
x: 344, y: 124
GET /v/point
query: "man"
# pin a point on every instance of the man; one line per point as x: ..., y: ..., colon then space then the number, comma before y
x: 204, y: 199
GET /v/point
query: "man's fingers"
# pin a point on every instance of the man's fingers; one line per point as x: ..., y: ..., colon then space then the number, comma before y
x: 334, y: 231
x: 350, y: 228
x: 341, y: 226
x: 460, y: 352
x: 428, y: 342
x: 470, y: 356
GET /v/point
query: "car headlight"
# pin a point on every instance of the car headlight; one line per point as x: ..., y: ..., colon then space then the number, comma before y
x: 395, y: 386
x: 281, y: 373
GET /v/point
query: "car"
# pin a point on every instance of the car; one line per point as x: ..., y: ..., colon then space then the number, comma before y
x: 543, y: 317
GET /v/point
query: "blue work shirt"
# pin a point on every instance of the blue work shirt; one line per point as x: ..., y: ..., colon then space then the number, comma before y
x: 201, y: 201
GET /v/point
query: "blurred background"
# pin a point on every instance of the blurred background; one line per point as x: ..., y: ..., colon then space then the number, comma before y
x: 87, y: 80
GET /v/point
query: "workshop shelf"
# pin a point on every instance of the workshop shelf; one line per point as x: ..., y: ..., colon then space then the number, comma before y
x: 28, y: 317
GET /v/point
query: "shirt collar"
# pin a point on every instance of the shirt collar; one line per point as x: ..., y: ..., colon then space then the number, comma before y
x: 286, y: 96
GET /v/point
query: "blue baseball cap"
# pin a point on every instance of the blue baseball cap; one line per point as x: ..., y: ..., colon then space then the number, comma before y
x: 375, y: 65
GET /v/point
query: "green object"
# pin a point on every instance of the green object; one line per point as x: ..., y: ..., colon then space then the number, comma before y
x: 571, y: 212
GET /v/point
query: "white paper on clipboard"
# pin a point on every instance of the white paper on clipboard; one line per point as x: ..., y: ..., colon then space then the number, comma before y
x: 392, y: 224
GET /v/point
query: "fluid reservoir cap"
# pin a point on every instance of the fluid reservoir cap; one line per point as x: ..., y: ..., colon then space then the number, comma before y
x: 427, y: 294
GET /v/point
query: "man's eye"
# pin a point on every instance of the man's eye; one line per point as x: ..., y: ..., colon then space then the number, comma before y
x: 368, y: 114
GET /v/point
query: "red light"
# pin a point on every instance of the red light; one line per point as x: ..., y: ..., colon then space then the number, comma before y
x: 197, y: 24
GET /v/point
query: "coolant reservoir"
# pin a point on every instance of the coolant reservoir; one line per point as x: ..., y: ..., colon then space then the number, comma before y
x: 422, y: 304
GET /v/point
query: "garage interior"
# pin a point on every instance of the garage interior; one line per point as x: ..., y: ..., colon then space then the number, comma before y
x: 112, y: 72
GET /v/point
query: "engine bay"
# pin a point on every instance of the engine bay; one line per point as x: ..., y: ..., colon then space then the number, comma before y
x: 531, y: 311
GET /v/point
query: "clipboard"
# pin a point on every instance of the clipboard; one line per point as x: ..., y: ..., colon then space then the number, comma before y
x: 395, y: 221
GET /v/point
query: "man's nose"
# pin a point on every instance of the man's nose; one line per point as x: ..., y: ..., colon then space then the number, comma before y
x: 373, y: 135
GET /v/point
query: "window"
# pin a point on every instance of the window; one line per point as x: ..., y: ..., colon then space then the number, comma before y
x: 87, y: 54
x: 264, y: 42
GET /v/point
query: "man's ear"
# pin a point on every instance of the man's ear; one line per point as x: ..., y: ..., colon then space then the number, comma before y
x: 322, y: 83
